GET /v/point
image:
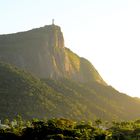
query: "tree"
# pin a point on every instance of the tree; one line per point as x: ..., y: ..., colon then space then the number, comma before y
x: 7, y: 121
x: 98, y: 122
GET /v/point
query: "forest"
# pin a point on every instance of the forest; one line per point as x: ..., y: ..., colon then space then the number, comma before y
x: 65, y: 129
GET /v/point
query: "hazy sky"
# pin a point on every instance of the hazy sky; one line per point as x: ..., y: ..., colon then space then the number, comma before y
x: 107, y: 32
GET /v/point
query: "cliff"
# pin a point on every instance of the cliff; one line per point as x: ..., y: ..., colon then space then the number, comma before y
x: 42, y: 52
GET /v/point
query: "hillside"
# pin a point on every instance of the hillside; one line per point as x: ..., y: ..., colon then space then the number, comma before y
x: 97, y: 101
x: 22, y: 93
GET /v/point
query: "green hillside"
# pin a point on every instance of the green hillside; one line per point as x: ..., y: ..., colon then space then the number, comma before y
x: 98, y: 101
x: 22, y: 93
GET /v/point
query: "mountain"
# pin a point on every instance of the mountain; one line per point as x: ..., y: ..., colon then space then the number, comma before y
x: 42, y: 52
x: 40, y: 77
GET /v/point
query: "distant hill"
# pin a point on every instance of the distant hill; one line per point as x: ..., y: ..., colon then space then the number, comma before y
x: 40, y: 77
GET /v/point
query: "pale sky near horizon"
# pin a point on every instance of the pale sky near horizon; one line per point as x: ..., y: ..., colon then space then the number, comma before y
x: 106, y: 32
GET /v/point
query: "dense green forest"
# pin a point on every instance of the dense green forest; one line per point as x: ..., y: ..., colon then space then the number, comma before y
x: 64, y: 129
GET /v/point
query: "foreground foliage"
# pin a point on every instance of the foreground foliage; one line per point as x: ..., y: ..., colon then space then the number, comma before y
x: 64, y: 129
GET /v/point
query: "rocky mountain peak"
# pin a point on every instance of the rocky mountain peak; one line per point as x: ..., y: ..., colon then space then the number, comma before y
x: 54, y: 36
x: 42, y: 52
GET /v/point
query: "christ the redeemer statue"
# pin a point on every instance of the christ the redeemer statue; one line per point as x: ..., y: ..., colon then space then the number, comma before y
x: 52, y: 21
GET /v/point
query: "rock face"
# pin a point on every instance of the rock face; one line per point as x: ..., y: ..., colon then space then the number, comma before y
x: 42, y: 52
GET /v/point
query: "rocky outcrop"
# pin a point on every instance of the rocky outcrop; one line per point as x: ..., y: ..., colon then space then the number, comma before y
x: 42, y: 52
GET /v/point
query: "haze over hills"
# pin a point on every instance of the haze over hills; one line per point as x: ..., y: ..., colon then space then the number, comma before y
x: 49, y: 80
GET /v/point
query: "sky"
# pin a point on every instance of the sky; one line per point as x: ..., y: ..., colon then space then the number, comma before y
x: 106, y: 32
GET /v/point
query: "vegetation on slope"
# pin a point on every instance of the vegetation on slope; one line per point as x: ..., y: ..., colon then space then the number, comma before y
x: 22, y: 93
x: 42, y: 52
x: 93, y: 100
